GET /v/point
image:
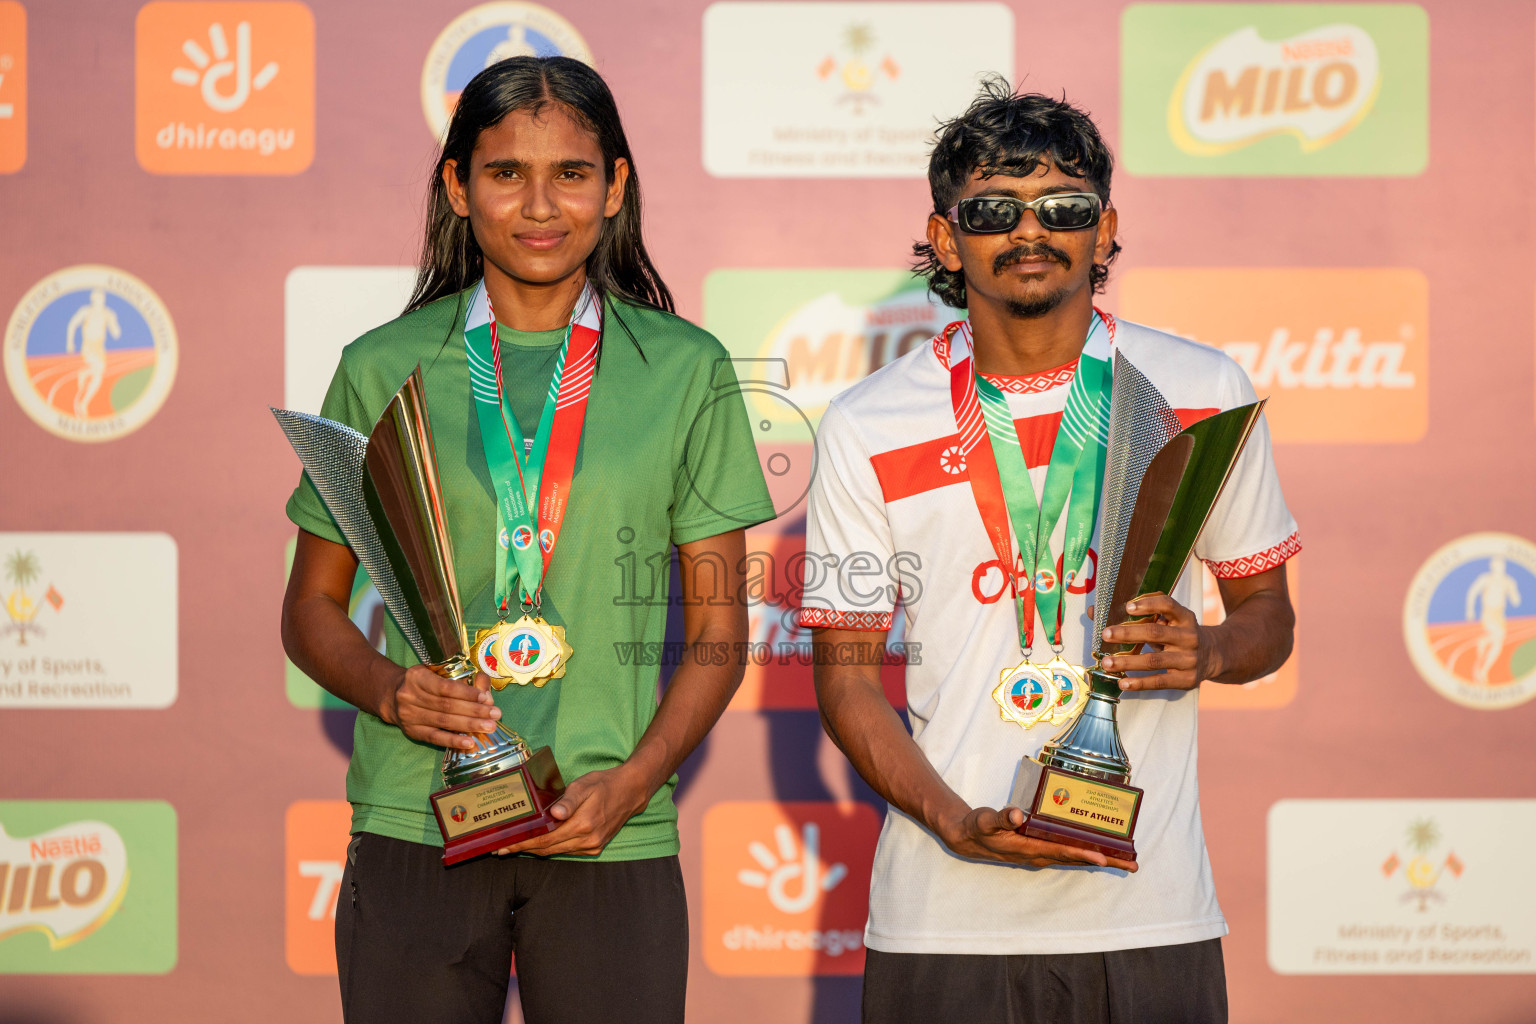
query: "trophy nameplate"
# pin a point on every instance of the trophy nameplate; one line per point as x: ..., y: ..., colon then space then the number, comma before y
x: 500, y: 809
x: 1073, y: 809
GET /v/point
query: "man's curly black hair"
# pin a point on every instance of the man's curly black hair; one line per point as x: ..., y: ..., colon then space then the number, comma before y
x: 1004, y: 133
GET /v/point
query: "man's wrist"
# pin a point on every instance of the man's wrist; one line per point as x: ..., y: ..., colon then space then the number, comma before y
x: 948, y: 823
x: 1212, y: 640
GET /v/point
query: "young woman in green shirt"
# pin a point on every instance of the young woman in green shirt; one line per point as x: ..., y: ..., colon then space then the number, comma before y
x: 533, y: 224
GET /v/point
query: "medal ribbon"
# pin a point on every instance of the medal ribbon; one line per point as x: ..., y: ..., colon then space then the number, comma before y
x: 537, y: 478
x: 1000, y: 478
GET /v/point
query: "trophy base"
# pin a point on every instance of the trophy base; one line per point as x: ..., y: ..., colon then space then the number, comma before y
x: 486, y: 814
x: 1076, y: 810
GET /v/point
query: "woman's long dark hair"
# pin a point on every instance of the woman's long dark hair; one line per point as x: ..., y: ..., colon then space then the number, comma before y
x: 450, y: 257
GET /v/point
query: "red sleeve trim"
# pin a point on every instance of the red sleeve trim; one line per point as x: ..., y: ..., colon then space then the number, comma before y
x: 826, y: 618
x: 1252, y: 565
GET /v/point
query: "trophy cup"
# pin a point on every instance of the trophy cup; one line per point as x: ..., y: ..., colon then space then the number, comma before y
x: 1160, y: 484
x: 383, y: 492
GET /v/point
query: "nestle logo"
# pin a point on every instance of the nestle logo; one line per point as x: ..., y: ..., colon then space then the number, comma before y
x: 60, y: 847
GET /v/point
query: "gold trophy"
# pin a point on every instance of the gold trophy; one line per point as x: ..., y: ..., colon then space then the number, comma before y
x: 1161, y: 482
x: 384, y: 494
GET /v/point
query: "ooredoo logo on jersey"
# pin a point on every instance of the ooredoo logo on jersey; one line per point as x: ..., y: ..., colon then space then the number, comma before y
x: 1329, y: 89
x: 90, y: 353
x: 1470, y: 621
x: 87, y: 887
x: 480, y: 37
x: 225, y: 88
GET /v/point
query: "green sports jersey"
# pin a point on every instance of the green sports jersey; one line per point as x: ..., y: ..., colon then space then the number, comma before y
x: 666, y: 458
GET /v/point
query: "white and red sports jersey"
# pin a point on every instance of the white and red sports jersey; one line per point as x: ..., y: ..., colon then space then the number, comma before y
x: 891, y: 509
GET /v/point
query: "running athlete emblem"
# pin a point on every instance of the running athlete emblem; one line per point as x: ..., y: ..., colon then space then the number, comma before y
x: 1470, y: 621
x: 90, y: 353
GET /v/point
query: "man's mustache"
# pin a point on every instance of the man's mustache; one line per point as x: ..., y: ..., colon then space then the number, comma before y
x: 1020, y: 253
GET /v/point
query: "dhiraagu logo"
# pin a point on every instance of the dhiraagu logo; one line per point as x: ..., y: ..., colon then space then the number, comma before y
x: 786, y: 887
x: 87, y: 887
x: 1275, y: 89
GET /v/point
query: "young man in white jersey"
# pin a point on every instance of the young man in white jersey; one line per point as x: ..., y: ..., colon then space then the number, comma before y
x: 969, y: 920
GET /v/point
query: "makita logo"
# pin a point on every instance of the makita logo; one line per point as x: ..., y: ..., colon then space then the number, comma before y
x: 1329, y: 359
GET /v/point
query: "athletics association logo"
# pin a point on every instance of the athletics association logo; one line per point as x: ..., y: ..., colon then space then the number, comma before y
x: 522, y: 648
x: 1028, y: 693
x: 1470, y: 621
x: 1061, y: 795
x: 25, y: 599
x: 480, y: 37
x: 225, y: 88
x: 90, y: 353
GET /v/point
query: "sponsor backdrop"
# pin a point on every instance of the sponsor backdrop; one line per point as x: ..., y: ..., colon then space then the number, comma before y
x: 204, y: 201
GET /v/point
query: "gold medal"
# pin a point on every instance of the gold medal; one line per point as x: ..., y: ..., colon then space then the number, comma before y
x: 485, y: 657
x: 1026, y: 694
x: 529, y: 650
x: 1071, y: 689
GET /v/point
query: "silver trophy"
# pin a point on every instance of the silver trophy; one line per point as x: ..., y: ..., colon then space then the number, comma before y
x: 1161, y: 482
x: 384, y: 494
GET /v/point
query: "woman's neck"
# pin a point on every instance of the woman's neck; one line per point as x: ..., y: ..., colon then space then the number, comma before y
x: 530, y: 306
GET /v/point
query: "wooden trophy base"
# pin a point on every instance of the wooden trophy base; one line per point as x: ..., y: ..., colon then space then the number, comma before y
x: 1077, y: 810
x: 498, y: 810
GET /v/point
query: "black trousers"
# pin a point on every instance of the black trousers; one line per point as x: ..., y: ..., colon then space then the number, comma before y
x: 596, y: 943
x: 1183, y: 984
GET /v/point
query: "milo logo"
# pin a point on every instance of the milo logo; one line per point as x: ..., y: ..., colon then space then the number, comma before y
x: 1315, y: 86
x: 64, y: 883
x: 87, y: 887
x: 1274, y: 89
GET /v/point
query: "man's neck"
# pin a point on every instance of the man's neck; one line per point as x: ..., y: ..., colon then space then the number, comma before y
x: 526, y: 306
x: 1011, y: 346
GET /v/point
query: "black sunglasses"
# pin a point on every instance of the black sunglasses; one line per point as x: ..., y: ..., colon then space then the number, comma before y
x: 1059, y: 211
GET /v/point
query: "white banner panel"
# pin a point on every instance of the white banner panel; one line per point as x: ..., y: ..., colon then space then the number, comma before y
x: 325, y: 309
x: 1401, y: 887
x: 89, y: 620
x: 841, y: 90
